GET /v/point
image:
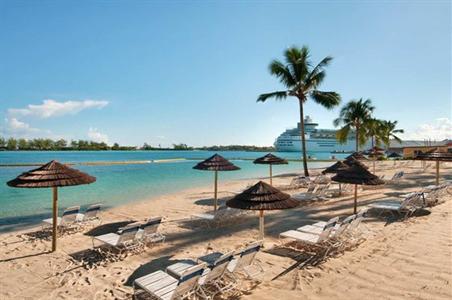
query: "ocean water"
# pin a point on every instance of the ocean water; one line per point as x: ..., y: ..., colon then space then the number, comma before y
x: 119, y: 184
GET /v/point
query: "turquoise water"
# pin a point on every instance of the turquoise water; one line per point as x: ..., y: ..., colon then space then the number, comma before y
x: 119, y: 184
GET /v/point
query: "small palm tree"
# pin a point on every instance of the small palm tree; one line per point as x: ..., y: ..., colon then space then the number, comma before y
x: 301, y: 81
x: 355, y: 115
x: 376, y: 131
x: 389, y: 131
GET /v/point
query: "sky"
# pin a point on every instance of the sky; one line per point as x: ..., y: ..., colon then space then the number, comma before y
x: 166, y: 72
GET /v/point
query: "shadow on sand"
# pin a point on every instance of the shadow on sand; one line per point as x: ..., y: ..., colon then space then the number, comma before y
x: 107, y: 228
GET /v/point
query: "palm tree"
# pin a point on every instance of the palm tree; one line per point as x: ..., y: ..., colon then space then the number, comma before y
x: 301, y: 81
x: 375, y: 129
x: 356, y: 115
x: 389, y: 131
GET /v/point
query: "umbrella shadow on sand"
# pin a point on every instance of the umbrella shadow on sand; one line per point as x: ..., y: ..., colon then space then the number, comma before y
x: 210, y: 201
x: 107, y: 228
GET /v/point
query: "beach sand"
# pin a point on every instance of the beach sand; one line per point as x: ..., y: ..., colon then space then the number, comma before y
x: 409, y: 259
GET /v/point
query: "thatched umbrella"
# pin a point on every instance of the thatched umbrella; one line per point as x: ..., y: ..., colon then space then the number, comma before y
x: 262, y: 196
x: 356, y: 174
x: 356, y: 155
x: 216, y: 163
x: 334, y: 169
x: 54, y: 175
x: 435, y: 156
x: 270, y: 160
x: 351, y: 161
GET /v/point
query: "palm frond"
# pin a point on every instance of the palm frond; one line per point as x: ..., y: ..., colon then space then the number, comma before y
x: 279, y: 95
x: 278, y: 69
x: 314, y: 81
x: 342, y: 134
x: 338, y: 121
x: 297, y: 60
x: 326, y: 99
x: 396, y: 138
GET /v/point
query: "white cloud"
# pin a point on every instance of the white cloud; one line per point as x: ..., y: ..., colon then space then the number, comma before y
x: 51, y: 108
x: 19, y: 128
x: 96, y: 136
x: 440, y: 129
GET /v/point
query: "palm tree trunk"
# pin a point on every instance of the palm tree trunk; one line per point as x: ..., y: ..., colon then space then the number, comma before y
x: 303, y: 139
x: 357, y: 138
x: 374, y: 158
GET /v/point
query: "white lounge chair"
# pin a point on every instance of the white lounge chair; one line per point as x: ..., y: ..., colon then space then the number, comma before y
x: 244, y: 262
x: 66, y: 220
x: 125, y: 239
x: 296, y: 183
x: 309, y: 238
x: 160, y: 285
x: 396, y: 177
x: 314, y: 192
x: 91, y: 213
x: 210, y: 282
x: 397, y: 207
x: 217, y: 218
x: 319, y: 227
x: 148, y: 232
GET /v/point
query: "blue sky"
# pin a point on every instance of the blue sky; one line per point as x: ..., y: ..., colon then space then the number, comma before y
x: 176, y: 71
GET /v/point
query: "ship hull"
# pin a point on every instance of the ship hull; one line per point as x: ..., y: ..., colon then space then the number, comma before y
x: 318, y: 145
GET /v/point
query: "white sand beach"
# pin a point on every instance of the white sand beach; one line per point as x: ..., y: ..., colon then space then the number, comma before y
x: 410, y: 259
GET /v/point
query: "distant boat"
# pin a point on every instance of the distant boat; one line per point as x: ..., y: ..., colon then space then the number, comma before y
x: 317, y: 140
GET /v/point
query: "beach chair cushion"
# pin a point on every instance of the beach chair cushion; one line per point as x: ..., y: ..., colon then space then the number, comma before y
x: 305, y: 237
x: 158, y: 284
x: 109, y: 238
x: 320, y: 224
x: 50, y: 221
x: 316, y: 229
x: 205, y: 216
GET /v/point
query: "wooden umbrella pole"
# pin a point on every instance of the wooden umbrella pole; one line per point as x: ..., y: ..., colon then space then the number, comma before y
x: 355, y: 207
x: 340, y: 189
x: 55, y: 218
x: 261, y: 225
x: 271, y: 175
x: 437, y: 172
x: 215, y: 191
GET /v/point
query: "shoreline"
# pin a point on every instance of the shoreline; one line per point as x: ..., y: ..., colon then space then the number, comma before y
x: 155, y: 161
x: 148, y: 199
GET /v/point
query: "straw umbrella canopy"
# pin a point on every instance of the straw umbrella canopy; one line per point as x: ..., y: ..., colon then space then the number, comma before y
x: 52, y: 175
x: 356, y: 155
x: 270, y: 160
x: 216, y: 163
x: 260, y: 197
x: 437, y: 157
x: 356, y: 174
x: 351, y: 161
x: 334, y: 169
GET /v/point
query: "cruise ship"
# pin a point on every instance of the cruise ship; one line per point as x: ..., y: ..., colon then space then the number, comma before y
x: 317, y: 140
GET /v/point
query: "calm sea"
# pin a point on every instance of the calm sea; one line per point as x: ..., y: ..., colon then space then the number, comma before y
x: 119, y: 184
